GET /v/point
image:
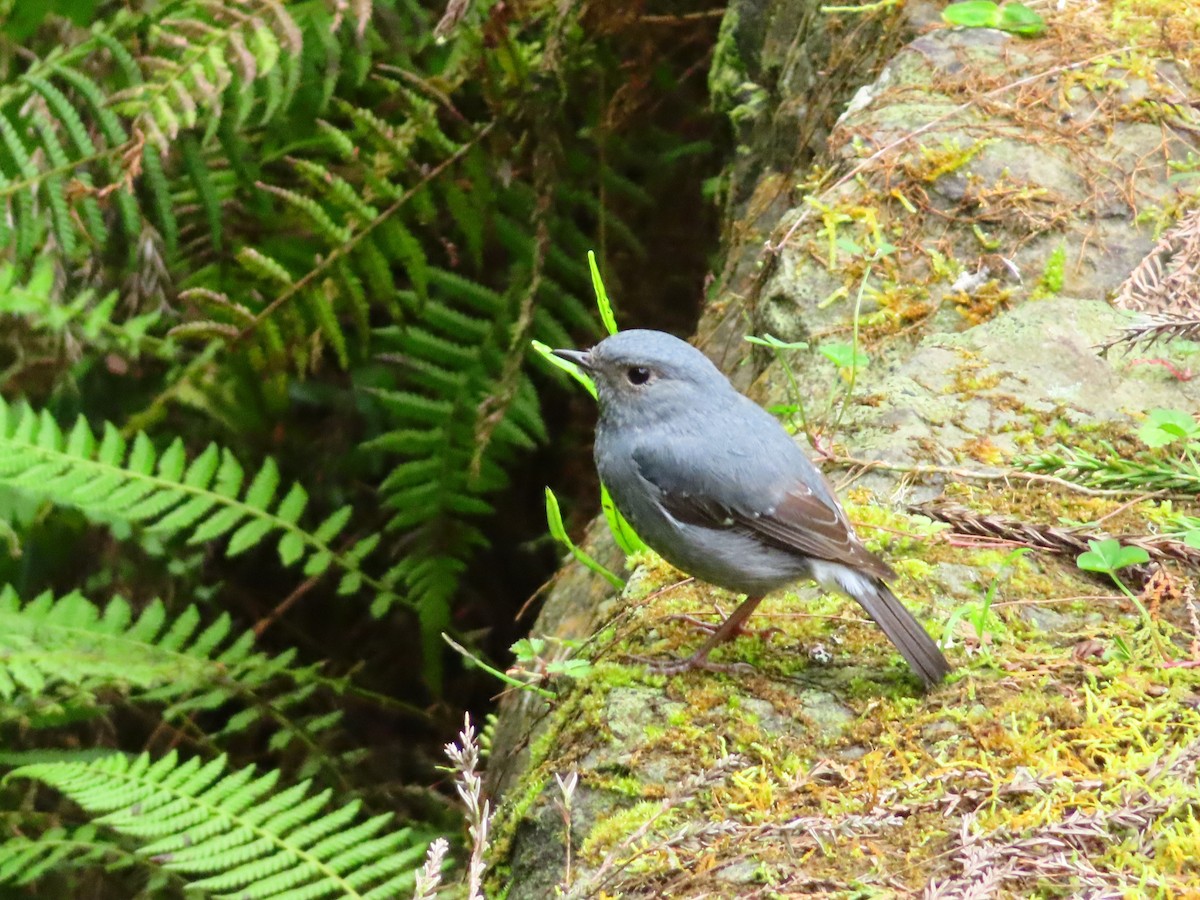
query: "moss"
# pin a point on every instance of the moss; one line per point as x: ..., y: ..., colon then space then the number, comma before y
x: 1033, y: 729
x: 1051, y: 282
x: 1078, y: 730
x: 623, y: 785
x: 984, y: 302
x: 948, y: 155
x: 616, y: 828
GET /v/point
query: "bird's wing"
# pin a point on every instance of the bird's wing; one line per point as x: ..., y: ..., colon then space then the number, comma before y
x: 796, y: 518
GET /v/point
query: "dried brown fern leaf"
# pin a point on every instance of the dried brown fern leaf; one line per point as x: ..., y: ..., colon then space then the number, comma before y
x: 1165, y: 288
x: 1150, y: 328
x: 1063, y: 541
x: 1167, y: 280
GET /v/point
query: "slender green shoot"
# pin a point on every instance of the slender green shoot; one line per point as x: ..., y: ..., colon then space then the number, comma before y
x: 979, y: 614
x: 862, y: 288
x: 778, y: 347
x: 547, y: 353
x: 602, y: 301
x: 472, y: 659
x: 623, y: 534
x: 559, y: 532
x: 1109, y: 556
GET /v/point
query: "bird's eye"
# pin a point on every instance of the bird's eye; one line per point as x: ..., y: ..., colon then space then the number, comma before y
x: 637, y: 374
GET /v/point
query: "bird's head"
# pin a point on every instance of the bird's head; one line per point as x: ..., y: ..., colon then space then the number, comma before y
x: 644, y: 376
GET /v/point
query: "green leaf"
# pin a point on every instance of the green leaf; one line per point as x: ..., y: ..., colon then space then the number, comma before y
x: 1018, y: 18
x: 528, y: 650
x: 569, y: 668
x: 333, y: 525
x: 602, y: 301
x: 559, y: 533
x: 248, y: 535
x: 1110, y: 556
x: 569, y: 367
x: 623, y: 534
x: 235, y: 833
x: 844, y: 355
x: 1166, y: 426
x: 972, y: 14
x: 849, y: 246
x: 291, y: 548
x: 292, y: 505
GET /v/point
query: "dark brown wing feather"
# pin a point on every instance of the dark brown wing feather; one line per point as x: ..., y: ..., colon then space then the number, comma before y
x: 801, y: 523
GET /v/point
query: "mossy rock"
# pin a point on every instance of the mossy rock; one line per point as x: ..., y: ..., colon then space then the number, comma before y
x: 1060, y: 759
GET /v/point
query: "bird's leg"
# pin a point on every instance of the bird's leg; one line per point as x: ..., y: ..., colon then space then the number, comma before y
x: 699, y: 660
x: 761, y: 633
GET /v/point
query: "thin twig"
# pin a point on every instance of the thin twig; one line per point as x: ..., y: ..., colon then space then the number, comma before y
x: 284, y: 605
x: 986, y: 475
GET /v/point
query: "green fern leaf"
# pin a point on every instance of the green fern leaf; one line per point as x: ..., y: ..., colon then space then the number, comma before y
x: 54, y: 189
x: 264, y: 266
x: 24, y: 860
x: 112, y: 481
x: 206, y: 191
x: 56, y: 651
x: 233, y: 833
x: 160, y: 199
x: 25, y: 224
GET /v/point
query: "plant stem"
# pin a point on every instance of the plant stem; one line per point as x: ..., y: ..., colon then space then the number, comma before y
x: 1147, y: 620
x: 862, y: 287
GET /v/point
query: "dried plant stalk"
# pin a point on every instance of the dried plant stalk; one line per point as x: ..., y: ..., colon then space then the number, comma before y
x: 1165, y: 288
x: 1065, y: 541
x: 1167, y: 280
x: 1150, y: 328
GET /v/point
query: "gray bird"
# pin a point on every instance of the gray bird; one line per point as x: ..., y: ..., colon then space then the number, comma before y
x: 720, y: 490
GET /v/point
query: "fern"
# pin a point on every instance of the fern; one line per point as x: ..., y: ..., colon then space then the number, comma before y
x: 236, y: 833
x: 59, y: 654
x: 289, y: 223
x: 84, y: 322
x: 460, y: 408
x: 26, y: 860
x: 67, y: 659
x: 59, y: 124
x: 358, y: 233
x: 114, y: 481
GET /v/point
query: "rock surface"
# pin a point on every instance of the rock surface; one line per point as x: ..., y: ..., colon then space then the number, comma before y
x: 979, y: 202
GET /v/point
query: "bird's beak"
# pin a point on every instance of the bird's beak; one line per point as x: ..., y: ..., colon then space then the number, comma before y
x: 581, y: 358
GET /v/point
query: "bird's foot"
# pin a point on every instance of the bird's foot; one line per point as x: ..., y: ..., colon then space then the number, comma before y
x: 695, y: 661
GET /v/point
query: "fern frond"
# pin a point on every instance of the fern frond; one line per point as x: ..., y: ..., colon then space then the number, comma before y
x: 70, y: 137
x: 24, y: 860
x: 112, y: 480
x: 26, y: 224
x: 238, y: 834
x: 58, y: 654
x: 201, y: 53
x: 84, y: 320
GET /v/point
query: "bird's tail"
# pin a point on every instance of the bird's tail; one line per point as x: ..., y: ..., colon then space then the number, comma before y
x: 905, y: 632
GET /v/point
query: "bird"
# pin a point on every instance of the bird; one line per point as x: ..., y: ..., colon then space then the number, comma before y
x: 717, y: 487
